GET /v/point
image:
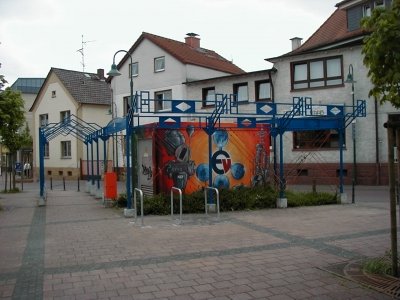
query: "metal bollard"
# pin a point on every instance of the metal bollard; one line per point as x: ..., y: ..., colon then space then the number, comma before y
x: 180, y: 203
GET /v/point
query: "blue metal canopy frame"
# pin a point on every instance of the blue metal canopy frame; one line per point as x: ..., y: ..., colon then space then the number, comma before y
x: 299, y: 115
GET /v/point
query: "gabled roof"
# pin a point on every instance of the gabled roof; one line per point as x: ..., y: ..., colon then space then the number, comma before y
x: 84, y: 87
x: 187, y: 55
x: 333, y: 32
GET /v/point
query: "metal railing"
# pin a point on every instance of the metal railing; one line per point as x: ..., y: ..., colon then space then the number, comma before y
x: 135, y: 192
x: 205, y: 198
x: 180, y: 203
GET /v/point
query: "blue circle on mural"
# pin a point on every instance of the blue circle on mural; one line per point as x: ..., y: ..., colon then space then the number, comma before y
x: 237, y: 171
x: 220, y: 138
x: 202, y: 172
x: 221, y: 181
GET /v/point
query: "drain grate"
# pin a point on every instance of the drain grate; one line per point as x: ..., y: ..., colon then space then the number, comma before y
x: 353, y: 270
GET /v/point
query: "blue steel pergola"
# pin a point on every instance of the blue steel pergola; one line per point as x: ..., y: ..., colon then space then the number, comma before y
x: 299, y: 115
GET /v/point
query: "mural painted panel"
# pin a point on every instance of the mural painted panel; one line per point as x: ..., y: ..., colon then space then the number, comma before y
x: 239, y: 157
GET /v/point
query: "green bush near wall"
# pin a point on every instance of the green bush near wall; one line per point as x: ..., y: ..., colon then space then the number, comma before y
x: 242, y: 198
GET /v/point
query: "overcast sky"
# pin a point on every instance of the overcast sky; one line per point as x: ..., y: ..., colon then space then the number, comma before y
x: 36, y: 35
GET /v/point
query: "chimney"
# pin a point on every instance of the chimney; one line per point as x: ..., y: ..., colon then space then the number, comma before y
x: 296, y: 42
x: 100, y: 74
x: 192, y: 40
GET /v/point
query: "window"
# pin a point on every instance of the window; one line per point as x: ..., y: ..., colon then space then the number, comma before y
x: 53, y: 94
x: 65, y: 149
x: 46, y: 150
x: 65, y: 115
x: 208, y: 97
x: 241, y: 92
x: 263, y: 90
x: 316, y: 139
x: 160, y: 100
x: 324, y: 72
x: 159, y: 64
x: 366, y: 10
x: 134, y: 69
x: 43, y: 120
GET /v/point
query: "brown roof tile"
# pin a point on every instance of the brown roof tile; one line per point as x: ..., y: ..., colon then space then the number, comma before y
x: 188, y: 55
x: 332, y: 31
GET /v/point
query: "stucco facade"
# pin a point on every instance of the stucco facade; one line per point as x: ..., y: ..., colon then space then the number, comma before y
x: 52, y: 102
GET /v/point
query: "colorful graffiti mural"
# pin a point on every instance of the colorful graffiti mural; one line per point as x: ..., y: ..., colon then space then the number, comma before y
x: 240, y: 157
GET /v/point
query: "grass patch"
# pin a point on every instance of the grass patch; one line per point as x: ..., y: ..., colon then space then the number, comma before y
x: 380, y: 265
x: 241, y: 198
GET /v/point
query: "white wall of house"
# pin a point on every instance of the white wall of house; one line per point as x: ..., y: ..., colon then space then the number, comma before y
x: 53, y: 106
x: 365, y: 127
x: 225, y: 86
x: 172, y: 78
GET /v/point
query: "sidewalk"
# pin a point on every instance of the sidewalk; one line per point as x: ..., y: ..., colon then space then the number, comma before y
x: 74, y: 248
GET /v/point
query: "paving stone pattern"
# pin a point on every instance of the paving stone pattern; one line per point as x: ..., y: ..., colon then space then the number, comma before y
x: 74, y: 248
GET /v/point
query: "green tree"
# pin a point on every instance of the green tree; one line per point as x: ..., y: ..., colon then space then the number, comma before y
x: 382, y: 53
x: 12, y: 119
x: 3, y: 81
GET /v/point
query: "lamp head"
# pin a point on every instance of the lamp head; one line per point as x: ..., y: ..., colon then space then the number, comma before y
x: 114, y: 71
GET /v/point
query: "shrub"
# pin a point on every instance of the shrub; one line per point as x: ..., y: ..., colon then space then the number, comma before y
x: 296, y: 199
x: 240, y: 198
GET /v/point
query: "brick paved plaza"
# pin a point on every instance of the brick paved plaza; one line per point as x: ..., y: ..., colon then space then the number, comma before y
x: 74, y: 248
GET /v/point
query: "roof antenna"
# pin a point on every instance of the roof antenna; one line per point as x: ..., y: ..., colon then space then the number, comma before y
x: 82, y: 52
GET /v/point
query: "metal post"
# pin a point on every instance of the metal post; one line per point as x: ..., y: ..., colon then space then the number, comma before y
x: 353, y: 130
x: 341, y: 162
x: 128, y: 167
x: 281, y: 175
x: 64, y: 183
x: 41, y: 162
x: 392, y: 182
x: 210, y: 183
x: 98, y: 163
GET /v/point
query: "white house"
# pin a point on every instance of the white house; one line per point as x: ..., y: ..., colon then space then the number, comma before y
x: 65, y: 93
x: 161, y: 66
x: 319, y: 69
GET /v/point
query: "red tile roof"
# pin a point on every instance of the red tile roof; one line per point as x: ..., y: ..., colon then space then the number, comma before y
x: 333, y: 30
x: 188, y: 55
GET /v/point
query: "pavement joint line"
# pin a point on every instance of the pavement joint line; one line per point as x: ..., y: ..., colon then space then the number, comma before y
x: 82, y: 221
x: 29, y: 278
x: 300, y: 241
x: 164, y: 259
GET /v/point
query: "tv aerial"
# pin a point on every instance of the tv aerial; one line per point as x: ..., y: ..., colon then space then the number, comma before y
x: 81, y: 51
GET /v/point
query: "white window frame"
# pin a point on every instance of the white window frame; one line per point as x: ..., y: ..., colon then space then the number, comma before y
x: 134, y: 69
x: 159, y: 64
x: 64, y: 115
x: 43, y: 120
x: 259, y: 91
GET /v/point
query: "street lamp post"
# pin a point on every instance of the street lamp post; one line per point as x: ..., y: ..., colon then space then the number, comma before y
x: 350, y: 79
x: 129, y: 212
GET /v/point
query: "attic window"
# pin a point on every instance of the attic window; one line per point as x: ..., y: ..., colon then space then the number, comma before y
x: 53, y: 94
